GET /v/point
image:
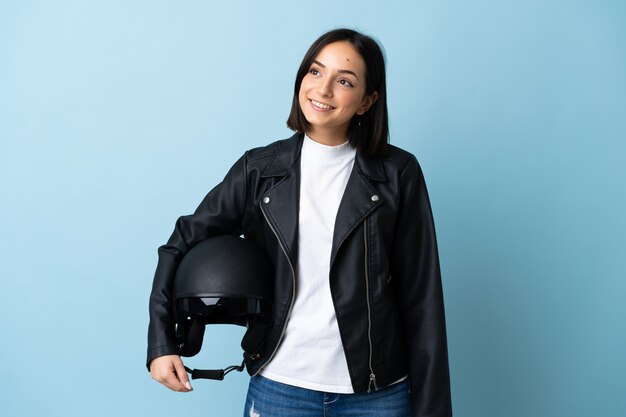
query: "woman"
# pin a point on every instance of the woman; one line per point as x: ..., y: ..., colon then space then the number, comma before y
x: 359, y: 324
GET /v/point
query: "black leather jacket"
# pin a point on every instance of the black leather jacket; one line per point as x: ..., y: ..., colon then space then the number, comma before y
x: 384, y: 267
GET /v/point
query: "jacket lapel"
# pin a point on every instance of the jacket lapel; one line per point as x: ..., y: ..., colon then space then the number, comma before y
x: 284, y: 197
x: 359, y: 199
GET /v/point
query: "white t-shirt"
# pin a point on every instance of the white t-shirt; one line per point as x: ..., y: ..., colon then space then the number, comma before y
x: 311, y: 353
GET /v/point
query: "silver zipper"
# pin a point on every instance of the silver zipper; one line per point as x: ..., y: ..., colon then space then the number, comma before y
x: 293, y: 294
x: 369, y: 314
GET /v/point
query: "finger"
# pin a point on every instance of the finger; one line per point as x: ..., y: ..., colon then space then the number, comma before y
x: 182, y: 375
x: 170, y: 379
x: 167, y: 377
x: 173, y: 383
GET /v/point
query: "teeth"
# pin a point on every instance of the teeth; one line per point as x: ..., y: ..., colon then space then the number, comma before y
x: 322, y: 105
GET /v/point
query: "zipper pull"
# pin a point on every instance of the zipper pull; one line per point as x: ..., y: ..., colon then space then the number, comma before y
x: 372, y: 380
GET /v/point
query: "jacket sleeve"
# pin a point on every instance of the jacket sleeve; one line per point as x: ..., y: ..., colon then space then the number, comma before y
x: 419, y: 292
x: 219, y: 213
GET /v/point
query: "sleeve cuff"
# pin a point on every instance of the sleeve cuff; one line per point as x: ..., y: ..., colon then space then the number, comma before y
x: 160, y: 351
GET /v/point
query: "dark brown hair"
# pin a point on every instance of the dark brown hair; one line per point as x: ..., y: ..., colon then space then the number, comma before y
x: 372, y: 134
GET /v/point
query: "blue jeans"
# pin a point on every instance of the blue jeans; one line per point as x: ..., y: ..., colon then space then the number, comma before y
x: 267, y: 398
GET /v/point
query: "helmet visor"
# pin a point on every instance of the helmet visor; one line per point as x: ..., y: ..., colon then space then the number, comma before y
x: 226, y: 310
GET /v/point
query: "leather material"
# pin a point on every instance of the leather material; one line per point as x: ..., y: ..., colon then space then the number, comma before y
x: 384, y: 269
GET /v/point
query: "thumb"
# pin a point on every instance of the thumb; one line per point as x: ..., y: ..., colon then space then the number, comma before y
x: 182, y: 374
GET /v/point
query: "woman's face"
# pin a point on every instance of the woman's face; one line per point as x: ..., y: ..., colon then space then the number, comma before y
x: 333, y: 91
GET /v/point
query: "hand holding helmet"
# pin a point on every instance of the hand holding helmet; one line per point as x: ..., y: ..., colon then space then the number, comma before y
x: 170, y: 371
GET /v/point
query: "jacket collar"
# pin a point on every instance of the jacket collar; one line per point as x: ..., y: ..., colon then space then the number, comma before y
x: 360, y: 197
x: 288, y: 152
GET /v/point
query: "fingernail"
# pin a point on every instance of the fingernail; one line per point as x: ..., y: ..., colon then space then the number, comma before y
x: 188, y: 385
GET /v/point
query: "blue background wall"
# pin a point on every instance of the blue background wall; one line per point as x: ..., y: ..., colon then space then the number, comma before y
x: 117, y: 117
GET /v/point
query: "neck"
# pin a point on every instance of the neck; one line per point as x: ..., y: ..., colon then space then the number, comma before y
x: 329, y: 137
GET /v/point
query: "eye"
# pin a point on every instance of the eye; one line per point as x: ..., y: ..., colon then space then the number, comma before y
x: 346, y: 83
x: 314, y: 71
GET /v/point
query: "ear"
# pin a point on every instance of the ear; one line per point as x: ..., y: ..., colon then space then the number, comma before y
x: 367, y: 103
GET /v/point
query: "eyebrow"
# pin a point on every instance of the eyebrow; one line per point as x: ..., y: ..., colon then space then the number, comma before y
x: 341, y: 71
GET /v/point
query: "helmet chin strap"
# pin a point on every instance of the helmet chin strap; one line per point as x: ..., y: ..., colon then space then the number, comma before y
x: 252, y: 341
x: 217, y: 374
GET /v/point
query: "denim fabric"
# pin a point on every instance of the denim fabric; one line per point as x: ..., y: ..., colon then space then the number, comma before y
x: 267, y: 398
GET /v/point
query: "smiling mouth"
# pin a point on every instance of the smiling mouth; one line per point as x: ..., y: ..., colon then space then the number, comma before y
x: 321, y: 105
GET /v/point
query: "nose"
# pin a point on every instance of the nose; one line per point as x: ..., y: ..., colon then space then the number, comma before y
x: 325, y: 87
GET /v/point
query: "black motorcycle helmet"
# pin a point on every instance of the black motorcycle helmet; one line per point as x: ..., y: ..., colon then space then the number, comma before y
x: 223, y: 280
